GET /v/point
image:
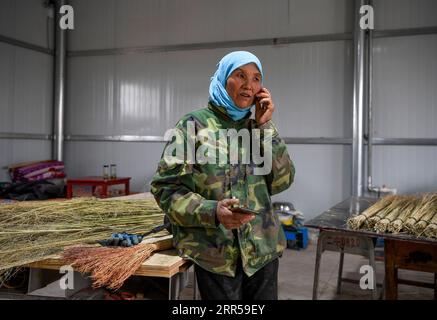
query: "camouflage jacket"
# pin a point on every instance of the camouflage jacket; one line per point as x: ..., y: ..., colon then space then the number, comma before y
x: 188, y: 193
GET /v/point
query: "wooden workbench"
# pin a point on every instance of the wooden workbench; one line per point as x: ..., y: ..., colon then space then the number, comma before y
x: 166, y: 264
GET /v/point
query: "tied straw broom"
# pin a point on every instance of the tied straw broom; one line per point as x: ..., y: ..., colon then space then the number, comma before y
x: 426, y: 204
x: 358, y: 221
x: 402, y: 203
x: 34, y: 230
x: 431, y: 229
x: 110, y: 267
x: 397, y: 225
x: 421, y: 225
x: 372, y: 221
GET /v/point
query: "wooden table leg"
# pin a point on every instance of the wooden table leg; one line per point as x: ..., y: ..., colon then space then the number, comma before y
x: 391, y: 272
x: 435, y: 286
x: 104, y: 191
x: 69, y: 191
x: 126, y: 188
x: 317, y: 267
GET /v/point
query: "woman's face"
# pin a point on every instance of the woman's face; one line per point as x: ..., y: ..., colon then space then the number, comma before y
x: 243, y: 84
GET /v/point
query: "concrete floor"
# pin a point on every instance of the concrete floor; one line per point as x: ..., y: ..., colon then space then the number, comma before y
x: 296, y: 274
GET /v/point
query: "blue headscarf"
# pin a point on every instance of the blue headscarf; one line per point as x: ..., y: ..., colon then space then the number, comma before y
x: 217, y: 89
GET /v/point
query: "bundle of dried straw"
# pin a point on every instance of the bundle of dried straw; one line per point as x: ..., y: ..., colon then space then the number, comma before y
x: 416, y: 215
x: 34, y: 230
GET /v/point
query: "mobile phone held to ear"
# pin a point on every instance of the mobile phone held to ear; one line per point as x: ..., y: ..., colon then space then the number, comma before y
x: 257, y: 99
x: 244, y: 210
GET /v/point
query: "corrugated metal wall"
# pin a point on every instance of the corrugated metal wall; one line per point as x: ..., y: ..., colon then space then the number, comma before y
x: 116, y: 23
x: 405, y: 96
x: 25, y: 82
x: 146, y: 93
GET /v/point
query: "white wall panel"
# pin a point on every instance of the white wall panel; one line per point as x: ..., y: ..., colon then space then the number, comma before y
x: 323, y: 178
x: 404, y: 14
x: 26, y: 20
x: 405, y: 82
x: 135, y: 94
x: 146, y: 94
x: 16, y: 151
x: 410, y: 169
x: 311, y: 84
x: 90, y: 98
x: 120, y: 23
x: 25, y: 82
x: 25, y: 104
x: 26, y: 90
x: 7, y: 75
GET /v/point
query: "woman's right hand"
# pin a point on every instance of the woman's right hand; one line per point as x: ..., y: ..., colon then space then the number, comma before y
x: 229, y: 219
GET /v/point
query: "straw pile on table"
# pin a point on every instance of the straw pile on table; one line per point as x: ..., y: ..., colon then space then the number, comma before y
x: 362, y: 219
x: 416, y: 215
x: 399, y: 206
x: 34, y: 230
x: 425, y: 207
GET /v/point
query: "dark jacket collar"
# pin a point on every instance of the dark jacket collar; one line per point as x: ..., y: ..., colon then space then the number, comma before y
x: 223, y: 113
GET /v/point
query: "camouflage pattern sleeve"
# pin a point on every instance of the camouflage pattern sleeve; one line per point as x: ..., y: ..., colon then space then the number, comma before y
x: 173, y: 187
x: 282, y: 174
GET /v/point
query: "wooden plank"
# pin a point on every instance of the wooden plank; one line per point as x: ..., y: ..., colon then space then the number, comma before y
x: 51, y: 263
x: 165, y: 264
x: 137, y: 196
x: 165, y: 260
x: 417, y: 283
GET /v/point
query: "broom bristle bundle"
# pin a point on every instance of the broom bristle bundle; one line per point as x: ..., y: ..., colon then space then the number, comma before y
x: 109, y: 267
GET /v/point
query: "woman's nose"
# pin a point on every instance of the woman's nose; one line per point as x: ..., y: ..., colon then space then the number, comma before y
x: 247, y: 84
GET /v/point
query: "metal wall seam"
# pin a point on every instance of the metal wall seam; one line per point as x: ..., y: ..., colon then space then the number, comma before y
x: 26, y: 45
x: 25, y: 136
x: 248, y: 43
x: 213, y: 45
x: 404, y: 141
x: 114, y: 138
x: 404, y: 32
x: 287, y: 140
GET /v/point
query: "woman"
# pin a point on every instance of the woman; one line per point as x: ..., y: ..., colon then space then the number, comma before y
x: 235, y: 254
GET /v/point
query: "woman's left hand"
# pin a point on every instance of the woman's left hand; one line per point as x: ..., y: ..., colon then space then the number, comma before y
x: 264, y: 107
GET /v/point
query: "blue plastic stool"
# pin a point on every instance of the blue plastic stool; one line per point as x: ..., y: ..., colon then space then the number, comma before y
x: 299, y: 237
